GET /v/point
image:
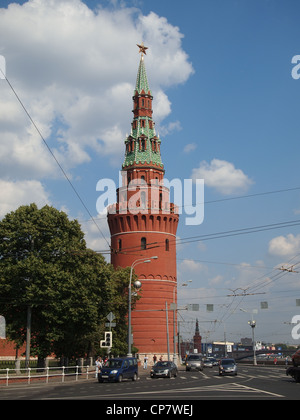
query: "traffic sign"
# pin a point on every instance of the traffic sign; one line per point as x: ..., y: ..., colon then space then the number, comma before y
x: 110, y: 317
x: 193, y: 307
x: 110, y: 324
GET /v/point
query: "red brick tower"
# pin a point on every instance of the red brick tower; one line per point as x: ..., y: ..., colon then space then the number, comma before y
x: 197, y: 339
x: 143, y: 224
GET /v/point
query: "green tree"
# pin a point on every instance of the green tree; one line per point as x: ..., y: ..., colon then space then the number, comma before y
x: 45, y: 266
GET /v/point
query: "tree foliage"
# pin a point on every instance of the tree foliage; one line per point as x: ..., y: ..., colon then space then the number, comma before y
x: 45, y: 265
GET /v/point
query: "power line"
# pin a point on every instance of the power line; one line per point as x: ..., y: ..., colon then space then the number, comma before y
x: 242, y: 231
x: 54, y: 157
x: 216, y: 235
x: 219, y: 200
x: 241, y: 265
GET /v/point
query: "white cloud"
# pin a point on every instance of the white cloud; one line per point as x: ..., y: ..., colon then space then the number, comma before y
x: 15, y: 194
x: 190, y: 147
x: 223, y: 176
x: 191, y: 266
x: 94, y: 239
x: 165, y: 52
x: 215, y: 281
x: 285, y: 245
x: 73, y: 69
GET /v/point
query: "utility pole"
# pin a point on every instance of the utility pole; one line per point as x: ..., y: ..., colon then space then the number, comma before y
x: 252, y: 324
x: 28, y: 336
x: 167, y: 323
x: 28, y: 323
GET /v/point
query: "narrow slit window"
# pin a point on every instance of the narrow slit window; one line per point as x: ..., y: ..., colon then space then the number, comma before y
x: 143, y: 243
x: 167, y: 245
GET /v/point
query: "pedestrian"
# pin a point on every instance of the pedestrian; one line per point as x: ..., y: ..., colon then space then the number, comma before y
x: 98, y: 366
x: 161, y: 357
x: 154, y: 359
x: 275, y: 361
x: 145, y: 361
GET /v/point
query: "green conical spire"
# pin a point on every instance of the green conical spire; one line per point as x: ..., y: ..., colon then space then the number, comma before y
x: 141, y: 80
x: 142, y: 145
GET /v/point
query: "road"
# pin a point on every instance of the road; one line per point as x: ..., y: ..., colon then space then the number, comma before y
x: 251, y: 383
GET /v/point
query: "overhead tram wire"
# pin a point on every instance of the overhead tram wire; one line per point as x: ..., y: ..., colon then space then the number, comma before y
x: 237, y: 299
x: 239, y: 197
x: 271, y: 276
x: 218, y: 200
x: 241, y: 265
x: 267, y: 281
x: 54, y: 157
x: 253, y: 289
x: 216, y: 235
x: 237, y: 232
x: 180, y: 241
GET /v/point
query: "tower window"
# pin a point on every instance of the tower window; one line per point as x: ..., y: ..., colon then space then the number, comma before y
x: 143, y: 243
x: 120, y: 244
x: 167, y: 245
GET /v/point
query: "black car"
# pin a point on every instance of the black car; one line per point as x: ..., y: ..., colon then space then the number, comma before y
x: 165, y: 369
x: 227, y: 367
x: 296, y: 358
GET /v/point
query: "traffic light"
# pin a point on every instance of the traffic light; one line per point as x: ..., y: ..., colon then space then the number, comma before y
x: 108, y: 339
x: 107, y: 342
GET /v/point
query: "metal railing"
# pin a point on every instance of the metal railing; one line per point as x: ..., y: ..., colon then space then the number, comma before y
x: 45, y: 375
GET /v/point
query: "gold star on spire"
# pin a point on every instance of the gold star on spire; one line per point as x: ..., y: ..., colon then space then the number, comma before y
x: 142, y: 48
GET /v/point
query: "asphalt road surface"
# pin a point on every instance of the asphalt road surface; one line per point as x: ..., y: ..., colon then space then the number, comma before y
x: 180, y: 393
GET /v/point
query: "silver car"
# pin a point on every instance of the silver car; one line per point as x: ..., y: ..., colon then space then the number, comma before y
x: 227, y: 367
x: 194, y: 361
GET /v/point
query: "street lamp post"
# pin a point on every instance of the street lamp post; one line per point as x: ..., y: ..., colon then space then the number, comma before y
x: 184, y: 284
x: 252, y: 324
x: 138, y: 285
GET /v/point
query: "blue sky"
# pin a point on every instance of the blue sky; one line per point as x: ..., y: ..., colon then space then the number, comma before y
x: 226, y: 107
